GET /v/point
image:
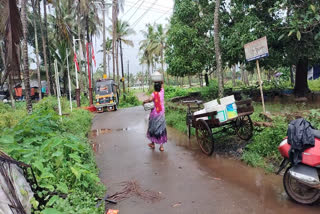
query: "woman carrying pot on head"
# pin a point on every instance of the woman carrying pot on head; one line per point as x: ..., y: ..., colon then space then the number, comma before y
x: 157, y: 132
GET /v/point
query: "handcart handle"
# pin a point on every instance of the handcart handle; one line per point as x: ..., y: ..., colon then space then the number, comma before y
x: 193, y: 101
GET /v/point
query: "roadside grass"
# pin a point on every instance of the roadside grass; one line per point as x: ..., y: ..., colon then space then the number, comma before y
x: 131, y: 100
x: 59, y: 152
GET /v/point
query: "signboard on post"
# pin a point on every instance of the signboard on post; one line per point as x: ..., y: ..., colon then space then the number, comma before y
x: 254, y: 51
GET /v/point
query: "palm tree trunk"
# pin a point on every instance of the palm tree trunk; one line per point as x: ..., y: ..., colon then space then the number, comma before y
x: 26, y: 76
x: 114, y: 36
x: 217, y: 48
x: 37, y: 48
x: 149, y: 76
x: 121, y: 55
x: 80, y: 54
x: 50, y: 84
x: 10, y: 82
x: 117, y: 62
x: 109, y: 73
x: 104, y: 39
x: 44, y: 49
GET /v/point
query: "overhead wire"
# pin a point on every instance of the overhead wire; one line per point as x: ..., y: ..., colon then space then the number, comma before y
x: 135, y: 11
x: 140, y: 18
x: 133, y: 6
x: 156, y: 10
x: 164, y: 14
x: 148, y: 2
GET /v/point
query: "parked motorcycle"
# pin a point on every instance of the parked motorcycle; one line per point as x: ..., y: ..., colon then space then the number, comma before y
x: 301, y: 182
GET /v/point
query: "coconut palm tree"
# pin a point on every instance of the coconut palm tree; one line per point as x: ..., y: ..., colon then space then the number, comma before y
x: 147, y: 47
x: 160, y: 44
x: 108, y: 51
x: 123, y: 31
x: 26, y: 76
x: 34, y: 6
x: 44, y: 49
x: 10, y: 33
x: 117, y: 5
x: 46, y: 42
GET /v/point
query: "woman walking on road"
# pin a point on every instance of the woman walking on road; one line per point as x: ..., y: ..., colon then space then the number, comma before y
x: 157, y: 132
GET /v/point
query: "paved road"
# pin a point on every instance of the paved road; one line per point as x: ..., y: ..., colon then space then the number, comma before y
x: 188, y: 181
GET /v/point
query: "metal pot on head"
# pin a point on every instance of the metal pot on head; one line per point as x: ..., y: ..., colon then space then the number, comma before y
x: 157, y: 77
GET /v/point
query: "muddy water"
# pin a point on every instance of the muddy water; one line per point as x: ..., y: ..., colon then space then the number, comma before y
x: 266, y: 186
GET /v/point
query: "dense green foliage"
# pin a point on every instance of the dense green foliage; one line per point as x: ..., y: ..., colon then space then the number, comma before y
x: 314, y: 85
x: 130, y: 101
x: 187, y: 50
x: 291, y: 28
x: 59, y: 152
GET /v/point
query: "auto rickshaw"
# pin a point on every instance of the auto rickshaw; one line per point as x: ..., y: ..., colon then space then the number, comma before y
x: 107, y: 96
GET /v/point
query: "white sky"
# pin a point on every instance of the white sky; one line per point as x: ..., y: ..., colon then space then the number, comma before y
x: 138, y: 13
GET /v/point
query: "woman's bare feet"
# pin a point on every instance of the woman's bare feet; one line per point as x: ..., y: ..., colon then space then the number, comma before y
x: 161, y: 148
x: 151, y: 145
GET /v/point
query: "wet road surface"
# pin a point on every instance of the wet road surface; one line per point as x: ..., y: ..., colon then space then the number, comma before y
x: 188, y: 181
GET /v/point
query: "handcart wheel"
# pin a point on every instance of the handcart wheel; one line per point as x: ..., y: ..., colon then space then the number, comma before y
x: 204, y: 137
x: 244, y: 127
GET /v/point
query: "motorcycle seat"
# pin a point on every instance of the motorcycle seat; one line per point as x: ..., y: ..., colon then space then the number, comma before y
x: 316, y: 133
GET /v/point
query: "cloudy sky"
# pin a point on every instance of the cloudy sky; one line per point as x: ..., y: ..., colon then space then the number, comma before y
x: 138, y: 13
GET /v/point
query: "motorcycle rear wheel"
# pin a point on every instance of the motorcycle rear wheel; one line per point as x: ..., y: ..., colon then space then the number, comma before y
x: 298, y: 191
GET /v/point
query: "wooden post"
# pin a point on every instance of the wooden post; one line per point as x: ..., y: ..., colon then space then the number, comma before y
x: 58, y: 86
x: 261, y: 89
x: 69, y: 81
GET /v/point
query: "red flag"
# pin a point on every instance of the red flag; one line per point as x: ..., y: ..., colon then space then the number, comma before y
x: 76, y: 61
x: 93, y: 57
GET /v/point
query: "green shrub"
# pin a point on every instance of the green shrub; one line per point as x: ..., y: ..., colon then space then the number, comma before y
x: 172, y: 91
x: 253, y: 159
x: 265, y: 142
x: 60, y: 155
x: 314, y: 118
x: 51, y: 104
x: 10, y: 117
x: 130, y: 101
x: 314, y: 85
x: 211, y: 92
x: 176, y: 119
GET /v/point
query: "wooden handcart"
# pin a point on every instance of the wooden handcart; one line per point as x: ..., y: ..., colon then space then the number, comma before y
x: 205, y: 123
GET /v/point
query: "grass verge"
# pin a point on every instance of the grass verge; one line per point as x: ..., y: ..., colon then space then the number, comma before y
x: 60, y: 155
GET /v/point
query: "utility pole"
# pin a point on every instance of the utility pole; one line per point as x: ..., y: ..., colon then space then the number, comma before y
x: 123, y: 84
x: 103, y: 8
x: 128, y: 76
x: 104, y: 38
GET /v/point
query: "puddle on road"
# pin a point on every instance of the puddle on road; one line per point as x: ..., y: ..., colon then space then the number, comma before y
x: 267, y: 187
x: 97, y: 132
